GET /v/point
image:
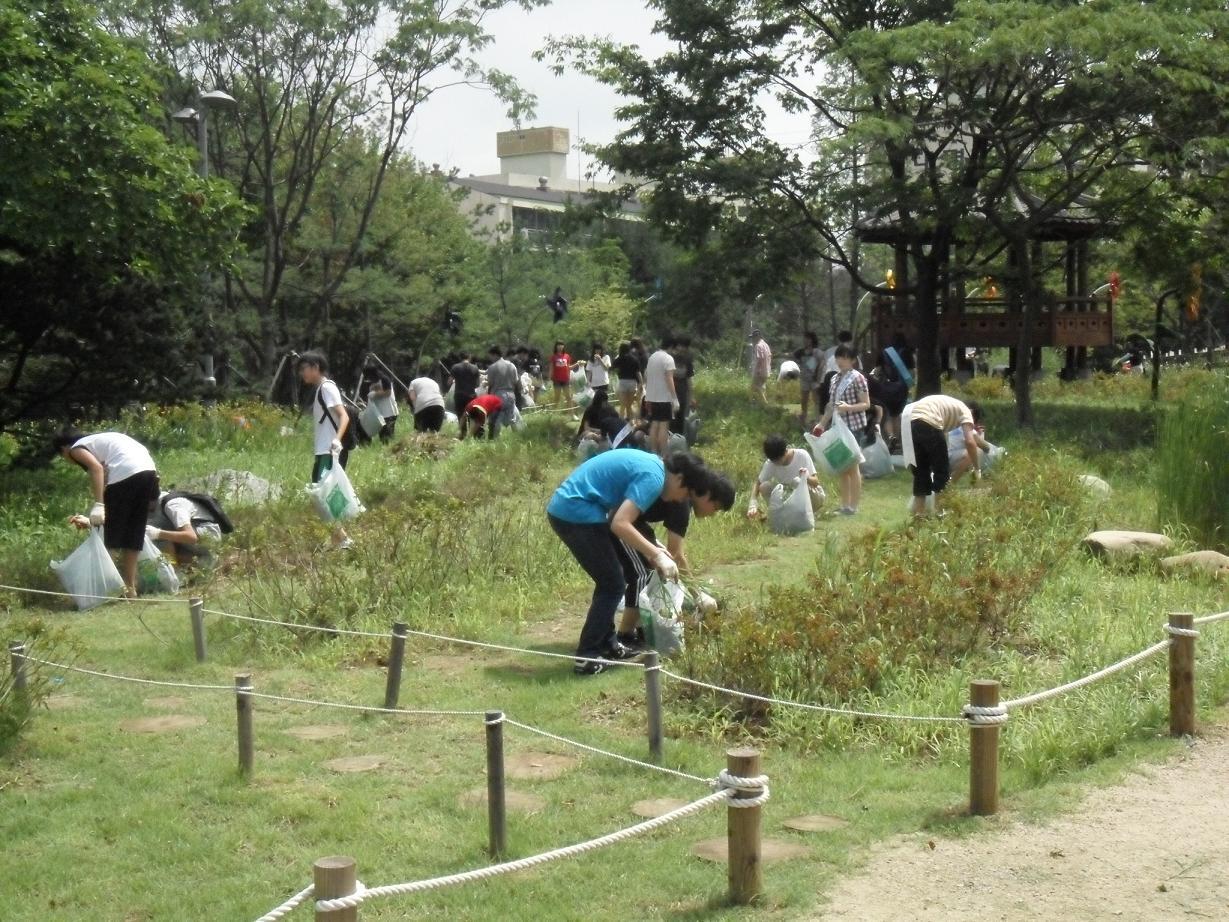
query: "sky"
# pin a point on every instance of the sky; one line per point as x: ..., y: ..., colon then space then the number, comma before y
x: 457, y: 128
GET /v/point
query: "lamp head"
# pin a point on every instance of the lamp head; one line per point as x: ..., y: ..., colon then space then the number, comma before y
x: 218, y: 100
x: 185, y: 116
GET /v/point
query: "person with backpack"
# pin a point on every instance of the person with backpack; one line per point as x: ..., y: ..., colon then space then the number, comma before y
x: 333, y: 432
x: 187, y: 523
x: 124, y: 482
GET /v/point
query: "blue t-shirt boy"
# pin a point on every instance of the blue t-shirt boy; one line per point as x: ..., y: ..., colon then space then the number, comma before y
x: 601, y: 485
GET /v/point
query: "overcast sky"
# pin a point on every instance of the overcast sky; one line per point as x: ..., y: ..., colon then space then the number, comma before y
x: 457, y: 128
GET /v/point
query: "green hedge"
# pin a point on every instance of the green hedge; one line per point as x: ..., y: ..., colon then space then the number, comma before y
x: 1088, y: 429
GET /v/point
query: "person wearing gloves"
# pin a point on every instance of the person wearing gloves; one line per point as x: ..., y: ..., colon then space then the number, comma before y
x: 598, y: 505
x: 332, y: 421
x: 597, y: 372
x: 661, y: 394
x: 925, y: 424
x: 784, y: 465
x: 185, y: 525
x: 124, y: 482
x: 717, y: 496
x: 957, y: 452
x: 851, y: 397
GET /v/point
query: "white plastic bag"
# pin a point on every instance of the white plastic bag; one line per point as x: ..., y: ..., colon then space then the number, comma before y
x: 154, y: 571
x: 334, y: 496
x: 88, y: 574
x: 676, y: 443
x: 878, y: 461
x: 661, y: 604
x: 989, y: 459
x: 836, y: 451
x: 792, y: 514
x: 371, y: 420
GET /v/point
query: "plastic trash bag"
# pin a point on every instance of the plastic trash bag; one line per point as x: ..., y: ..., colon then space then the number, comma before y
x: 580, y: 381
x: 518, y: 420
x: 590, y: 448
x: 661, y: 604
x: 155, y: 573
x: 676, y: 443
x: 692, y: 430
x: 584, y: 398
x: 334, y: 496
x: 791, y: 514
x: 89, y: 574
x: 989, y: 459
x: 371, y: 420
x: 878, y: 461
x: 837, y: 450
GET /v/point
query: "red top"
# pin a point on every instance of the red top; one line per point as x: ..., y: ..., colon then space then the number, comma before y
x: 561, y: 367
x: 487, y: 403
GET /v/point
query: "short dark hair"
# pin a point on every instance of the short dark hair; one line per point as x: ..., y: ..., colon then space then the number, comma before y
x: 495, y: 351
x: 775, y: 447
x: 844, y: 337
x: 812, y: 337
x: 624, y: 349
x: 845, y: 352
x: 721, y: 491
x: 683, y: 342
x: 65, y: 438
x: 520, y: 349
x: 975, y: 409
x: 315, y: 359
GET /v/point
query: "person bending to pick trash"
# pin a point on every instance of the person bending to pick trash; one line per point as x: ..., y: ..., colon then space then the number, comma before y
x: 124, y: 481
x: 718, y: 496
x: 599, y: 504
x: 926, y: 423
x: 783, y: 465
x: 482, y: 413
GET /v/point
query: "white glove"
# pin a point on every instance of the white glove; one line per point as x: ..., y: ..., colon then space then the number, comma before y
x: 674, y: 405
x: 666, y: 567
x: 153, y: 532
x: 98, y: 514
x: 335, y: 446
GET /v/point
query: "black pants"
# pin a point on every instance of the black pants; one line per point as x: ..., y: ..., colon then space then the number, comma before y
x: 430, y: 419
x: 460, y: 402
x: 387, y: 430
x: 593, y: 546
x: 932, y: 470
x: 636, y: 568
x: 126, y: 504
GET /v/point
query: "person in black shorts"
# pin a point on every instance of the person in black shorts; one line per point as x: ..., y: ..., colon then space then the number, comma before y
x: 677, y: 518
x: 465, y: 378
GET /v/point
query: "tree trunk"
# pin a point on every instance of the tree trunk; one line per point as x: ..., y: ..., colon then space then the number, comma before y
x: 1026, y: 298
x: 926, y: 310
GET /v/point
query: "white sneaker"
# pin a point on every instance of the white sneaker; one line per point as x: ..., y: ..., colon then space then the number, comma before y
x: 345, y: 545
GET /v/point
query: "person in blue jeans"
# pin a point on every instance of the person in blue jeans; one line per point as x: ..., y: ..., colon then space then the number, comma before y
x: 598, y: 505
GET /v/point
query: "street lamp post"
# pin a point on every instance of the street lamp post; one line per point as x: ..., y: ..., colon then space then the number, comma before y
x: 222, y: 102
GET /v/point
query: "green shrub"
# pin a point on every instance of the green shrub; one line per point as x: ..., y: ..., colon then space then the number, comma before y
x: 1193, y: 469
x: 892, y: 603
x: 17, y: 706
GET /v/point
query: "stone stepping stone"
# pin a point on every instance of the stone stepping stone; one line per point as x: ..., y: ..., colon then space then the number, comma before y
x: 354, y: 764
x: 1209, y: 561
x: 537, y: 766
x: 315, y: 732
x: 815, y: 822
x: 658, y: 806
x: 168, y: 723
x: 516, y: 801
x: 1126, y: 543
x: 717, y: 850
x: 171, y: 702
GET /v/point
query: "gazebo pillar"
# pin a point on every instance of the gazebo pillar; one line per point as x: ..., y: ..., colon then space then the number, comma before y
x: 1070, y: 278
x: 1083, y: 291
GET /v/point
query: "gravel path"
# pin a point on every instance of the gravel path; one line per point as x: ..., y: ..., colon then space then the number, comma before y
x: 1154, y: 847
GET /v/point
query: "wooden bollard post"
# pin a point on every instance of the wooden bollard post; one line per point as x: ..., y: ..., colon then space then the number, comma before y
x: 17, y: 663
x: 333, y: 878
x: 652, y: 694
x: 243, y: 714
x: 396, y: 659
x: 743, y: 825
x: 496, y: 809
x: 197, y: 614
x: 983, y: 752
x: 1182, y: 677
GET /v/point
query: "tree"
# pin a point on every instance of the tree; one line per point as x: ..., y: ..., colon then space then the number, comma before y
x: 928, y: 103
x: 104, y: 225
x: 311, y: 78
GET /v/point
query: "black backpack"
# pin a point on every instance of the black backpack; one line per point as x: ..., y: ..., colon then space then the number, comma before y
x: 355, y: 435
x: 206, y: 502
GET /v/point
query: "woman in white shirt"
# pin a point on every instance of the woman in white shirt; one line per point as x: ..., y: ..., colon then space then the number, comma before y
x: 597, y: 370
x: 124, y: 482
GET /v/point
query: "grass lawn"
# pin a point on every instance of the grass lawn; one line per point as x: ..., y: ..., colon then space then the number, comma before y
x: 100, y: 822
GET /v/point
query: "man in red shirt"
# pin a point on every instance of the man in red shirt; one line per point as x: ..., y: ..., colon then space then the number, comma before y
x: 483, y: 413
x: 561, y: 372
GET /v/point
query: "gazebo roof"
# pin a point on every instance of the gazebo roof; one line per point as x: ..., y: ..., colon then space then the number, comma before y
x: 1075, y: 223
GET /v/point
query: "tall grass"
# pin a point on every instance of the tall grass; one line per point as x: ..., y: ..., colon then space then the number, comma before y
x: 1193, y: 465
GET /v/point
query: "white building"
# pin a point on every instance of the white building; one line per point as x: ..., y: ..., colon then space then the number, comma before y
x: 532, y: 190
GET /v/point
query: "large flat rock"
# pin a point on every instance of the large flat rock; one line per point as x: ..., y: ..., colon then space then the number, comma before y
x: 1126, y: 543
x: 1212, y: 562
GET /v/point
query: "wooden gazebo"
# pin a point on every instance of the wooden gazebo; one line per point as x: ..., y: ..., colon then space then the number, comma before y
x: 1076, y: 320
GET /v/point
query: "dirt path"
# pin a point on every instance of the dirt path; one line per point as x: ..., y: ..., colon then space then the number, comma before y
x: 1154, y: 847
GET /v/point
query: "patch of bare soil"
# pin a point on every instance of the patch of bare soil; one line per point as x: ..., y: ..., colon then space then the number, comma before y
x: 1154, y: 847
